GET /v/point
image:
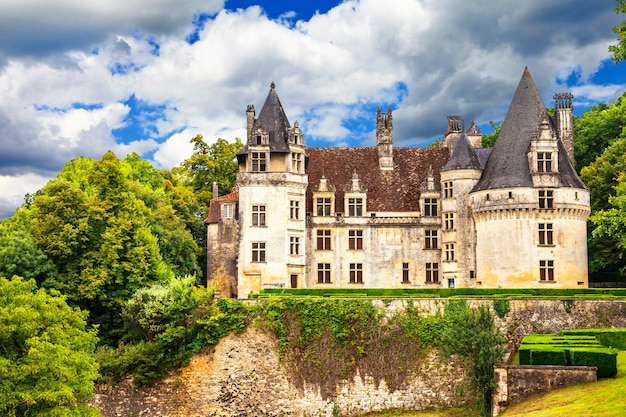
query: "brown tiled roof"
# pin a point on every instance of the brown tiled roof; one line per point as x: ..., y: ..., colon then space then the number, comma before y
x: 216, y: 203
x: 387, y: 190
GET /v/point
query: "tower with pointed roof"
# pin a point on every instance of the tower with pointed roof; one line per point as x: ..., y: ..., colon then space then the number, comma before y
x: 529, y: 206
x: 272, y: 185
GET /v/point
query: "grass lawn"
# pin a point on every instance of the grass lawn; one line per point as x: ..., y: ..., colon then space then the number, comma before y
x: 605, y: 398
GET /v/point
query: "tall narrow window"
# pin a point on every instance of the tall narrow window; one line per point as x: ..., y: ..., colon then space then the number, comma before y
x: 323, y: 273
x: 227, y: 211
x: 258, y: 215
x: 430, y: 239
x: 259, y: 161
x: 447, y: 189
x: 296, y: 162
x: 258, y: 251
x: 405, y: 272
x: 448, y: 221
x: 546, y: 270
x: 546, y: 199
x: 355, y: 239
x: 355, y: 207
x: 432, y: 272
x: 323, y: 206
x: 294, y: 210
x: 544, y: 162
x: 323, y: 239
x: 294, y: 245
x: 449, y: 251
x: 356, y: 273
x: 430, y: 207
x: 545, y: 234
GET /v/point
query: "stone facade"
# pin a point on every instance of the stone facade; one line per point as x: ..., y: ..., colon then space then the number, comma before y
x: 456, y: 215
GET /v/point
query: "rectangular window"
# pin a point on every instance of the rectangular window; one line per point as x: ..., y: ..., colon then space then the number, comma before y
x: 430, y: 240
x: 544, y: 162
x: 448, y: 221
x: 259, y: 161
x: 447, y: 189
x: 356, y: 273
x: 430, y: 207
x: 355, y: 239
x: 323, y: 240
x: 227, y: 211
x: 449, y: 251
x: 323, y: 273
x: 546, y: 199
x: 405, y: 272
x: 294, y: 245
x: 546, y: 270
x: 258, y: 215
x: 545, y: 234
x: 258, y: 251
x: 432, y: 272
x: 323, y: 206
x: 294, y: 210
x: 296, y: 162
x: 355, y: 207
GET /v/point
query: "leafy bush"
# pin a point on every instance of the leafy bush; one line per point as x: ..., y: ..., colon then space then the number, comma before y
x: 501, y: 307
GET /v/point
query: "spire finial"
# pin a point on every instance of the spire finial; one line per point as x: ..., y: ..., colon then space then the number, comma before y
x: 272, y: 85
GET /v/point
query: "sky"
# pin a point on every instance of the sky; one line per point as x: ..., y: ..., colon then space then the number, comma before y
x: 79, y: 78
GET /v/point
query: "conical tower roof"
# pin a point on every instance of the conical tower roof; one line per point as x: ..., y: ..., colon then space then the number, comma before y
x: 463, y: 156
x: 273, y: 119
x: 508, y: 163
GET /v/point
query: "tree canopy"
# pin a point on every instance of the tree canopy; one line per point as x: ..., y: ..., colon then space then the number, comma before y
x: 619, y: 49
x: 47, y: 365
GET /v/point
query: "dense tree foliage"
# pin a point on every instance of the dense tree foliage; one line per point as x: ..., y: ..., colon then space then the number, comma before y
x: 472, y: 336
x: 47, y: 365
x: 619, y: 49
x: 489, y: 139
x: 208, y: 164
x: 596, y: 129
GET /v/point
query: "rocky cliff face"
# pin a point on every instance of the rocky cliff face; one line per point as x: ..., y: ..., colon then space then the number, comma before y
x: 242, y: 377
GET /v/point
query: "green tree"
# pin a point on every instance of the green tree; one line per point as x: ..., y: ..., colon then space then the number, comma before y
x: 47, y: 365
x: 596, y: 129
x: 472, y: 336
x: 619, y: 49
x: 489, y: 139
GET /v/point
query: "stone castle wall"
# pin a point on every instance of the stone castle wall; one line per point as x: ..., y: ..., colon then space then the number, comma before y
x: 243, y: 376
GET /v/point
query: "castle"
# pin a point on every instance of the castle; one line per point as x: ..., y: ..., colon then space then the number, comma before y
x: 453, y: 215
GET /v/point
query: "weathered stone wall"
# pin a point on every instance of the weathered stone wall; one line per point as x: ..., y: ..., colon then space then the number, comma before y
x: 515, y: 384
x: 243, y: 376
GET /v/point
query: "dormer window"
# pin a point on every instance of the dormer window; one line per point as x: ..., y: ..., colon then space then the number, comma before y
x: 296, y: 162
x: 355, y: 207
x: 259, y: 140
x: 227, y: 211
x: 258, y: 162
x: 544, y: 162
x: 431, y: 207
x: 546, y: 199
x: 323, y: 206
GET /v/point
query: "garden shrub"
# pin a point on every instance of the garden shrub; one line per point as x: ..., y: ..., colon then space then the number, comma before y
x: 605, y: 359
x: 548, y: 357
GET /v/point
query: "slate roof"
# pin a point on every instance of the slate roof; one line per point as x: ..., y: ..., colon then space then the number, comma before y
x: 273, y: 119
x: 507, y: 166
x: 463, y: 156
x: 387, y: 190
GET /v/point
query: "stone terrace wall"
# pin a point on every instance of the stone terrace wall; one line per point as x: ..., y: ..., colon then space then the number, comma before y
x: 515, y: 384
x: 243, y: 376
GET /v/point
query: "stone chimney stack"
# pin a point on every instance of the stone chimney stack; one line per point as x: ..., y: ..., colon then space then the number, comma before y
x: 250, y: 113
x: 564, y: 113
x: 215, y: 191
x: 384, y: 139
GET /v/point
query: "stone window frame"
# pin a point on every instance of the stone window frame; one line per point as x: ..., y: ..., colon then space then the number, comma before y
x: 544, y: 162
x: 431, y: 239
x: 546, y: 199
x: 324, y: 241
x: 258, y: 162
x: 356, y: 273
x: 355, y: 239
x: 449, y: 251
x: 431, y: 207
x: 448, y: 221
x: 296, y: 162
x: 323, y: 206
x: 294, y: 210
x: 546, y: 270
x: 432, y: 272
x: 355, y: 206
x: 448, y: 190
x: 546, y: 234
x: 258, y: 252
x: 259, y: 216
x: 323, y: 273
x: 228, y: 211
x: 405, y: 273
x: 294, y: 245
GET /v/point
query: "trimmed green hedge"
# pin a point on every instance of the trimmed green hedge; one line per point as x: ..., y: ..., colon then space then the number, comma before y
x: 615, y: 338
x: 548, y: 357
x: 605, y: 359
x: 444, y: 292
